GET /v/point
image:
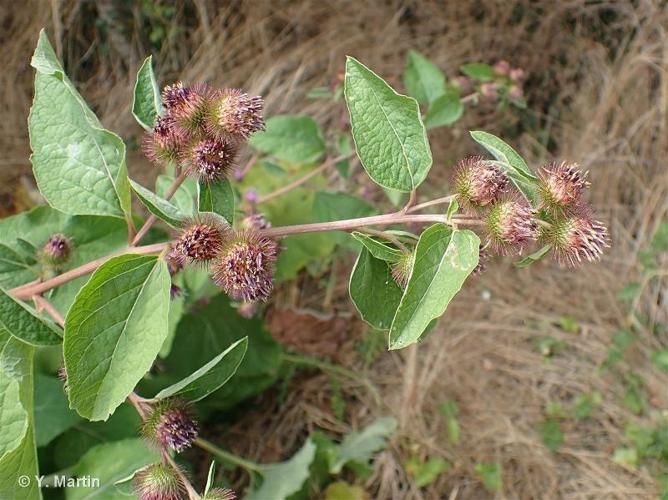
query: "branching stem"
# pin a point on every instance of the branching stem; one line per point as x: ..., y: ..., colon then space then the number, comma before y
x: 226, y: 456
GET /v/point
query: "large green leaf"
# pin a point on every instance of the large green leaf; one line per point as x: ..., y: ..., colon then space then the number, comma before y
x: 360, y: 446
x: 21, y: 322
x: 79, y: 166
x: 18, y: 456
x: 146, y: 103
x: 281, y: 480
x: 158, y: 206
x: 390, y: 139
x: 209, y: 377
x: 294, y: 139
x: 514, y: 165
x: 423, y: 79
x: 445, y: 110
x: 443, y: 260
x: 110, y: 463
x: 114, y: 331
x: 373, y: 290
x: 217, y: 197
x: 52, y: 413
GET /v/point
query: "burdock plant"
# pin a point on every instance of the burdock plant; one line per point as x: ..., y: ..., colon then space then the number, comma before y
x: 114, y: 325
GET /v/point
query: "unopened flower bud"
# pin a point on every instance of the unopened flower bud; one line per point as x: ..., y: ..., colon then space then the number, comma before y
x: 57, y: 250
x: 213, y: 159
x: 502, y: 68
x: 479, y: 182
x: 489, y: 91
x: 175, y: 291
x: 576, y: 237
x: 483, y: 258
x: 235, y: 115
x: 244, y: 267
x: 220, y: 494
x: 562, y: 184
x: 255, y: 222
x: 462, y: 82
x: 517, y: 75
x: 247, y: 309
x: 511, y: 224
x: 515, y: 93
x: 251, y: 196
x: 200, y: 241
x: 158, y: 482
x: 171, y: 425
x: 163, y: 145
x: 62, y: 376
x: 188, y: 107
x: 401, y: 270
x: 174, y: 261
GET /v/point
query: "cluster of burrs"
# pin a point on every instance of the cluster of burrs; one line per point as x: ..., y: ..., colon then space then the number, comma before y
x: 563, y: 219
x: 202, y: 128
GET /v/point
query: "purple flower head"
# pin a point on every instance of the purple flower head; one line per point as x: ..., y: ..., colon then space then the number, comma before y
x: 479, y: 182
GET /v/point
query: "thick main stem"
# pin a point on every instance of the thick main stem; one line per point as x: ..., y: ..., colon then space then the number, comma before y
x: 27, y: 291
x: 348, y: 224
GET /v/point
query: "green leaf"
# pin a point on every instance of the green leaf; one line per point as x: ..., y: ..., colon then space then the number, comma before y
x: 445, y: 110
x: 18, y: 320
x: 209, y: 377
x: 78, y: 165
x: 18, y: 456
x: 390, y: 139
x: 52, y: 413
x: 294, y: 139
x: 283, y: 479
x: 360, y: 446
x: 534, y: 257
x: 513, y: 164
x: 110, y: 463
x: 344, y: 491
x: 491, y: 475
x: 626, y: 456
x: 114, y: 331
x: 479, y: 71
x: 423, y: 79
x: 378, y: 249
x: 660, y: 359
x: 453, y: 208
x: 210, y: 477
x: 217, y: 197
x: 427, y: 472
x: 374, y: 291
x: 550, y: 431
x: 146, y: 102
x: 443, y: 260
x: 158, y: 206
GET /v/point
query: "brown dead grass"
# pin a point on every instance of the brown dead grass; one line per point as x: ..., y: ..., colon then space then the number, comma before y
x: 598, y: 87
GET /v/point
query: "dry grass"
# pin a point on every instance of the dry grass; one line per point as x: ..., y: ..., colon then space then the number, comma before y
x: 598, y: 87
